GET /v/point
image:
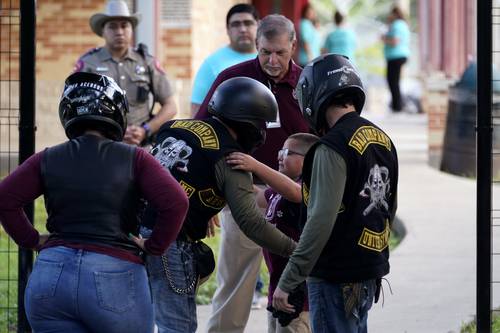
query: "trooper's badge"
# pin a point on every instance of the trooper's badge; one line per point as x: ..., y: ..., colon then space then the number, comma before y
x: 139, y: 69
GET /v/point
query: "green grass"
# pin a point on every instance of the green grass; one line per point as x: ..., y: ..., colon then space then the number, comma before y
x: 206, y: 291
x: 8, y: 284
x: 8, y: 272
x: 471, y: 326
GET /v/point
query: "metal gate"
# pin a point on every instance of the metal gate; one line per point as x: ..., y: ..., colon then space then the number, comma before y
x: 488, y: 209
x: 495, y: 24
x: 17, y: 82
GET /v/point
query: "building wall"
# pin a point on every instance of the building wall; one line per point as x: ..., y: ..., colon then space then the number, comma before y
x: 447, y: 36
x: 63, y: 34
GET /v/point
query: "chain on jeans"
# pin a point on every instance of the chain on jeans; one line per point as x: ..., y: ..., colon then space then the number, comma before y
x: 180, y: 291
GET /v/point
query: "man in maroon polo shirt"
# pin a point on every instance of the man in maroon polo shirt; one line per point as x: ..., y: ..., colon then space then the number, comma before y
x: 239, y: 258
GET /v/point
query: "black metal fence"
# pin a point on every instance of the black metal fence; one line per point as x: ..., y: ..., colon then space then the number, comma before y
x: 9, y: 144
x: 495, y: 26
x: 488, y: 279
x: 17, y: 92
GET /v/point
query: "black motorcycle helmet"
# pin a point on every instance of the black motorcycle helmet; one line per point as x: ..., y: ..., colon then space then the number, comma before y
x: 245, y: 105
x: 324, y: 79
x: 93, y: 101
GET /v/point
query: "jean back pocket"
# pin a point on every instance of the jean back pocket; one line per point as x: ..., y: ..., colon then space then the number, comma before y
x: 115, y: 290
x: 44, y: 278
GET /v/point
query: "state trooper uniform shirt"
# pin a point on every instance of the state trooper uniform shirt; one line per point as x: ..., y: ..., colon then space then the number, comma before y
x: 138, y: 75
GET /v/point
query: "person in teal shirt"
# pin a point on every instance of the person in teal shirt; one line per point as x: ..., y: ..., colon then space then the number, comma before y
x: 310, y: 39
x: 241, y: 25
x: 396, y: 52
x: 341, y: 40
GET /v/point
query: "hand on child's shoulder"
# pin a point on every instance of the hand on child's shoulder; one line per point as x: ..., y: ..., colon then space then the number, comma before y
x: 241, y: 161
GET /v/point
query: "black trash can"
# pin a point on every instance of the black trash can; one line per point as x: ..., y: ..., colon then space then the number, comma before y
x: 459, y: 147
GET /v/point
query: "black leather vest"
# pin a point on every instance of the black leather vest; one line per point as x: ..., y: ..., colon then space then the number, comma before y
x: 358, y: 246
x: 190, y: 149
x: 90, y: 193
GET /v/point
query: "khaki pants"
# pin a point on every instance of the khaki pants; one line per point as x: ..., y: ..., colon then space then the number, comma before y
x: 237, y: 268
x: 298, y: 325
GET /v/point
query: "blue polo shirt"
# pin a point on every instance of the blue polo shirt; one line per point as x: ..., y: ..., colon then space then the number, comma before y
x: 341, y: 41
x: 212, y: 66
x: 310, y: 35
x: 398, y: 29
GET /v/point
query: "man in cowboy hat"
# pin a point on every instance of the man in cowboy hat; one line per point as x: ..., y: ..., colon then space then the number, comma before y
x: 136, y: 71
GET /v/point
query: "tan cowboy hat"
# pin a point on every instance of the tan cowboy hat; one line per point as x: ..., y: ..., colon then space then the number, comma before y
x: 115, y: 9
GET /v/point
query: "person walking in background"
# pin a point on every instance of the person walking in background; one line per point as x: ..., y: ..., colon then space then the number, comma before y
x: 349, y: 189
x: 396, y: 52
x: 89, y: 275
x: 342, y: 40
x: 134, y: 69
x: 239, y: 258
x: 241, y: 27
x: 194, y: 152
x: 310, y: 39
x: 282, y: 202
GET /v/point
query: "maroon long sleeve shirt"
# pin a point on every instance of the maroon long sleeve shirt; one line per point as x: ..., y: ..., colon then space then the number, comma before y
x: 155, y: 184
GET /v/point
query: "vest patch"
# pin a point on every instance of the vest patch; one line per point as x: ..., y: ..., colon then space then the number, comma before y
x: 203, y: 131
x: 305, y: 194
x: 187, y: 188
x: 375, y: 241
x: 377, y: 188
x: 367, y: 135
x: 210, y: 199
x: 173, y: 153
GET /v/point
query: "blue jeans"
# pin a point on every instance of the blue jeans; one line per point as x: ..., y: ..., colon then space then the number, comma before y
x: 173, y: 285
x: 326, y: 308
x: 80, y: 291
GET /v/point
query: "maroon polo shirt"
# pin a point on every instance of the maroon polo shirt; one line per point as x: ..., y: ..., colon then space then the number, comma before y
x: 290, y: 116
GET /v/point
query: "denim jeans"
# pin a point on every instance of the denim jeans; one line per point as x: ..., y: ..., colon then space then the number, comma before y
x: 175, y: 310
x: 80, y: 291
x: 326, y: 306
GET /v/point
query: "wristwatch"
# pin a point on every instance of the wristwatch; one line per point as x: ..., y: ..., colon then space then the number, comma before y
x: 147, y: 129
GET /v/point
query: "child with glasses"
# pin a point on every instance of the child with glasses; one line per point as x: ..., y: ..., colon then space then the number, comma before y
x: 282, y: 200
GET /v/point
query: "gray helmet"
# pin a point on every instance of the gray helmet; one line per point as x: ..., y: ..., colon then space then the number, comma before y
x: 93, y: 101
x: 325, y: 78
x: 245, y: 105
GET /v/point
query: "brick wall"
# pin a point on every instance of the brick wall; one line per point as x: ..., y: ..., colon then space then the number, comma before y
x: 435, y: 104
x: 62, y: 35
x: 183, y: 49
x: 175, y: 53
x: 209, y: 28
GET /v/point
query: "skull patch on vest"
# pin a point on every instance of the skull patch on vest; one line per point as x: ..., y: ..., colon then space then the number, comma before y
x: 173, y: 153
x: 376, y: 188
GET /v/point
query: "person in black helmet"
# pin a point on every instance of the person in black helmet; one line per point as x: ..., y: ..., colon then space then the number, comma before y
x: 89, y: 275
x: 194, y: 151
x: 349, y: 191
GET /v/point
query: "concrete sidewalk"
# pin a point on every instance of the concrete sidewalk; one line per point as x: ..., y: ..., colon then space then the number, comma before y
x: 433, y: 270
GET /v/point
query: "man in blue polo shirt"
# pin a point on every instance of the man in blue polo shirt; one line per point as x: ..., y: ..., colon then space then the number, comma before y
x: 239, y: 258
x: 241, y: 25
